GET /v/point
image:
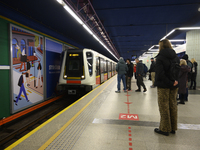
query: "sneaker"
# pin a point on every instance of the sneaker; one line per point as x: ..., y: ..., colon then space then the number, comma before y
x: 137, y: 90
x: 125, y: 91
x: 117, y: 91
x: 145, y: 90
x: 161, y: 132
x: 181, y: 103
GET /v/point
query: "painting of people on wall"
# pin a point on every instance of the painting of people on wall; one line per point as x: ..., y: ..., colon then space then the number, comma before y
x: 27, y: 62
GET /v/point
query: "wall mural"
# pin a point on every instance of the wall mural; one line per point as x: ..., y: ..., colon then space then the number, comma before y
x: 27, y: 71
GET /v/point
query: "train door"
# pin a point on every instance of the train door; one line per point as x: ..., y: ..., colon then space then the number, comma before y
x: 109, y: 69
x: 98, y: 79
x: 105, y: 70
x: 102, y: 64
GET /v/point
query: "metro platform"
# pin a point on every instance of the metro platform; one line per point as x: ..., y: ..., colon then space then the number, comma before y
x: 105, y: 120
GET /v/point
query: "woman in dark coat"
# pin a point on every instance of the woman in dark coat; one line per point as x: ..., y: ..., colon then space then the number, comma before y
x: 166, y: 88
x: 183, y: 80
x: 194, y: 74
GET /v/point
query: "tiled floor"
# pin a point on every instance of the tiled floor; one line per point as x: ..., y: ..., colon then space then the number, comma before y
x: 98, y: 127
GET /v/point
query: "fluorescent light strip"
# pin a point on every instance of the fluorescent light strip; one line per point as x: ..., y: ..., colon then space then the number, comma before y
x: 189, y: 28
x: 73, y: 14
x: 178, y: 40
x: 86, y: 28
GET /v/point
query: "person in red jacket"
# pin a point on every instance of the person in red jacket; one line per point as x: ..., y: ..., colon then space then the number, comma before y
x: 134, y: 70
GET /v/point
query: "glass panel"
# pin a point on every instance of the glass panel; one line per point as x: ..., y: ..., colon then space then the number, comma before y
x: 89, y: 62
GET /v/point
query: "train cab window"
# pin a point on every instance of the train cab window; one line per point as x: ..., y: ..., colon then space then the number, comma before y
x: 90, y: 62
x: 74, y: 66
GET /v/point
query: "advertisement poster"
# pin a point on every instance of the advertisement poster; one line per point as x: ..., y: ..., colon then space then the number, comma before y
x: 53, y: 65
x: 27, y: 68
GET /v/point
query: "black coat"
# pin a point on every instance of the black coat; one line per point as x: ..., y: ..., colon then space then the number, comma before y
x: 194, y: 71
x: 130, y: 70
x: 153, y: 67
x: 162, y: 77
x: 183, y: 78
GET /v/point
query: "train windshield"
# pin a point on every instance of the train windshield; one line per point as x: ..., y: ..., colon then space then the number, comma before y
x: 74, y: 66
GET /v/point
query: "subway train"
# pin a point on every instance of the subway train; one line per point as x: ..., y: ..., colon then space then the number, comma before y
x: 84, y: 69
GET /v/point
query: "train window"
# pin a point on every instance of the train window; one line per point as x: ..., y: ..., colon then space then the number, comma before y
x: 109, y: 66
x: 102, y: 65
x: 74, y: 63
x: 105, y: 66
x: 90, y: 62
x: 97, y: 66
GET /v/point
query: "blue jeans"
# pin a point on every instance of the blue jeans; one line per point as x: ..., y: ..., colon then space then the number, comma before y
x: 22, y: 89
x: 119, y: 77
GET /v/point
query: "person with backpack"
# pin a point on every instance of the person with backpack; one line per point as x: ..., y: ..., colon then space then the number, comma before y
x: 166, y: 87
x: 139, y: 76
x: 194, y: 74
x: 121, y: 69
x: 183, y: 80
x: 129, y: 74
x: 152, y: 71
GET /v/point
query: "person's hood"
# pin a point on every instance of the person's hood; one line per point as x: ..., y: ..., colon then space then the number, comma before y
x: 168, y: 53
x: 121, y: 61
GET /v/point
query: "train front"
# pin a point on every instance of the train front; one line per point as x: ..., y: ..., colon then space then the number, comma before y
x: 72, y: 74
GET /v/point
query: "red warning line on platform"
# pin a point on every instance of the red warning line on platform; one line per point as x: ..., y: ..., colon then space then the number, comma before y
x: 128, y: 116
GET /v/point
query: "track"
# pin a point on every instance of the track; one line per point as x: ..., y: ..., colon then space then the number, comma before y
x: 13, y: 131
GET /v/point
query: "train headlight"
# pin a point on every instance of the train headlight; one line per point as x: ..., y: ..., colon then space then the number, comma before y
x: 82, y: 77
x: 65, y: 76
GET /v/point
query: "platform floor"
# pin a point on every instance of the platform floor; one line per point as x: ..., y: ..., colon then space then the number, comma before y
x: 105, y: 120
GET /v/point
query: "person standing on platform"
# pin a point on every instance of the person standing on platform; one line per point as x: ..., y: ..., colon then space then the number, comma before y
x: 183, y: 80
x: 166, y: 88
x: 129, y: 74
x: 121, y: 69
x: 194, y: 74
x: 189, y: 63
x: 152, y: 71
x: 139, y: 76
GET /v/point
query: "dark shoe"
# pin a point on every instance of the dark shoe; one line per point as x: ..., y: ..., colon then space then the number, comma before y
x: 181, y: 103
x: 19, y: 98
x: 125, y: 91
x: 137, y: 90
x: 161, y: 132
x: 173, y: 132
x: 145, y: 90
x: 28, y: 100
x: 117, y: 91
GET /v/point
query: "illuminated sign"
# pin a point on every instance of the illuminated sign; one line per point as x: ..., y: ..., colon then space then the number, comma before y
x: 73, y: 54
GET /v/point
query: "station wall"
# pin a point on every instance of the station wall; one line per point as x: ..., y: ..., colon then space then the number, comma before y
x: 40, y: 49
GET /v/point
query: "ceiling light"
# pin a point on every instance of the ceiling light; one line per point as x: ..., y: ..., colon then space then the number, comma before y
x: 178, y: 40
x: 73, y: 14
x: 88, y: 30
x: 189, y: 28
x: 60, y: 1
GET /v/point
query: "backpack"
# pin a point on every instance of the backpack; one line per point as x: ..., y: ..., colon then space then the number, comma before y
x: 174, y: 69
x: 145, y: 69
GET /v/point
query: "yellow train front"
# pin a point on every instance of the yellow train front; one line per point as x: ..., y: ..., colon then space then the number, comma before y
x: 84, y: 69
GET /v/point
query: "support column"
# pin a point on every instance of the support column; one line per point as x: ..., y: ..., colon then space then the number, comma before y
x: 193, y: 49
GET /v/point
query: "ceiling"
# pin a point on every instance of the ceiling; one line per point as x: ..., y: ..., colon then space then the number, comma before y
x: 133, y: 26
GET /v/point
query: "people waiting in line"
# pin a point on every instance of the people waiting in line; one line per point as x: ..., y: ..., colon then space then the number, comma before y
x: 189, y: 63
x: 183, y: 80
x: 166, y: 89
x: 121, y: 69
x: 139, y: 76
x: 194, y: 74
x: 129, y: 74
x: 152, y: 71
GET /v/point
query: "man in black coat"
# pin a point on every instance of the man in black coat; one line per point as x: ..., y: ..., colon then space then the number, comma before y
x: 152, y: 71
x: 139, y: 76
x: 129, y: 74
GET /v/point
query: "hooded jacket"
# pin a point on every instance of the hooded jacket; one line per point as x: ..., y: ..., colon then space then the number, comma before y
x: 130, y: 70
x: 162, y: 77
x: 121, y: 67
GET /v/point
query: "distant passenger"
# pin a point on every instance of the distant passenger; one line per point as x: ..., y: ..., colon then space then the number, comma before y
x: 189, y: 63
x: 134, y: 70
x: 183, y: 80
x: 139, y: 76
x: 152, y: 71
x: 194, y: 74
x: 166, y: 89
x: 121, y: 69
x: 129, y: 74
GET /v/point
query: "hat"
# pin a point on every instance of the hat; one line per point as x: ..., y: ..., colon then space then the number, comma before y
x: 121, y: 58
x: 185, y: 57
